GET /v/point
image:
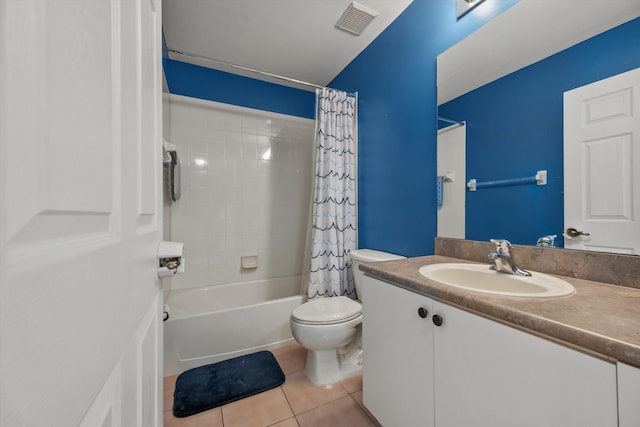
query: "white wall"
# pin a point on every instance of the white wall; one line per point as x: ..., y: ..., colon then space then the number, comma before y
x: 451, y: 157
x: 246, y: 181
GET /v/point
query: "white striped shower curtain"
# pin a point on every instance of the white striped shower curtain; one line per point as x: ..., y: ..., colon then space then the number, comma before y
x: 334, y: 201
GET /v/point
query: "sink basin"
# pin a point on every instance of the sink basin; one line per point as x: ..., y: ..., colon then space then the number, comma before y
x: 480, y: 278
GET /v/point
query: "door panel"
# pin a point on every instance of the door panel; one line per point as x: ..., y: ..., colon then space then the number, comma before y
x: 601, y: 159
x: 79, y: 305
x: 149, y: 89
x: 608, y: 182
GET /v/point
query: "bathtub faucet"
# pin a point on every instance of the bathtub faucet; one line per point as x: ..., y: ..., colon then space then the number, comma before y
x: 503, y: 258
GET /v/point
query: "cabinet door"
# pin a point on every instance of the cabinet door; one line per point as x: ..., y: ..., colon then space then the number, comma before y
x: 491, y: 375
x: 398, y: 355
x: 628, y: 395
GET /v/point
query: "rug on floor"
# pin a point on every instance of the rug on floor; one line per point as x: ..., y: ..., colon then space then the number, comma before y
x: 209, y: 386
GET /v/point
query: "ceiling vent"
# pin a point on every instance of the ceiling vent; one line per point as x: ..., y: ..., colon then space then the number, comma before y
x: 356, y: 18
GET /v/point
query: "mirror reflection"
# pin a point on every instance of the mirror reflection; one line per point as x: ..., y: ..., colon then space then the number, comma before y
x: 503, y: 87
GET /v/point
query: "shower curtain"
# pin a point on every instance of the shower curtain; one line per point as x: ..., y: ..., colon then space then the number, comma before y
x: 333, y: 216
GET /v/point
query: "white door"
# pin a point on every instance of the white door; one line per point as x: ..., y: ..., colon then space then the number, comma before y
x: 451, y: 164
x: 80, y: 132
x: 602, y: 165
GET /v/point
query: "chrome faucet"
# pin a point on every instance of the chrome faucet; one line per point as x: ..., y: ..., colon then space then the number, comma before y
x: 503, y: 257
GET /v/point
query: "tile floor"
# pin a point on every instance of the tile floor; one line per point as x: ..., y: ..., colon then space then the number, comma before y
x: 296, y: 403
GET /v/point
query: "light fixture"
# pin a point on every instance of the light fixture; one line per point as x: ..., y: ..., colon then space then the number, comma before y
x: 464, y: 6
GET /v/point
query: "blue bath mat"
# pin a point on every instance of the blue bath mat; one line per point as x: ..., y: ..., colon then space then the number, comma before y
x: 206, y: 387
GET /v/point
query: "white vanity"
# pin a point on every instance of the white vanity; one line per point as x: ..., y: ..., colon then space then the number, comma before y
x: 444, y: 357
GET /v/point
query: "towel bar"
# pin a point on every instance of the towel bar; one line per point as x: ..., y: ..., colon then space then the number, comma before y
x: 540, y: 178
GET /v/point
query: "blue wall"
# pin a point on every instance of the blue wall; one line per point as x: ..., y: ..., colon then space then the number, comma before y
x: 396, y: 81
x: 213, y: 85
x: 514, y: 128
x: 395, y: 77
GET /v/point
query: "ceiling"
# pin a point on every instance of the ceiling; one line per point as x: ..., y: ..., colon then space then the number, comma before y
x: 291, y: 38
x: 529, y: 31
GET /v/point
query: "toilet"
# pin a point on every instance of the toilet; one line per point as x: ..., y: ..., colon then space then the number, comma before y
x: 330, y: 328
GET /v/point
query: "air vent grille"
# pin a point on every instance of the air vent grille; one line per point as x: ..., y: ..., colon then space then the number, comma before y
x: 356, y: 18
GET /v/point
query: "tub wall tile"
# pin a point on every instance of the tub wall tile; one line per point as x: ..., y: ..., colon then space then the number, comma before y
x: 246, y: 176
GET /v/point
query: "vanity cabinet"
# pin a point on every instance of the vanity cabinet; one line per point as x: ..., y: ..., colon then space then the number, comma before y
x: 490, y: 374
x: 466, y: 370
x: 397, y: 338
x: 628, y: 392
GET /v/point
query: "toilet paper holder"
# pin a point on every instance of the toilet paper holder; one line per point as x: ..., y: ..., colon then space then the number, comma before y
x: 170, y: 259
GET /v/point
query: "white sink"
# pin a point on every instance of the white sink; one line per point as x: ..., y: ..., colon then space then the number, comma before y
x: 480, y: 278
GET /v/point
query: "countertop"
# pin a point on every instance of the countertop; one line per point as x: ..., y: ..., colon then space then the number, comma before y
x: 598, y: 317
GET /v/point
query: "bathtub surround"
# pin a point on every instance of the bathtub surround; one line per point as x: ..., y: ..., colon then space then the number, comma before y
x: 333, y: 225
x: 211, y: 324
x: 246, y: 176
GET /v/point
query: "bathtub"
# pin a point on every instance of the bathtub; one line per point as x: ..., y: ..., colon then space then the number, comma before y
x: 210, y: 324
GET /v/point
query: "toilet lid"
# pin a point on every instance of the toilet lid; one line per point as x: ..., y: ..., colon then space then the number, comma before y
x: 323, y: 311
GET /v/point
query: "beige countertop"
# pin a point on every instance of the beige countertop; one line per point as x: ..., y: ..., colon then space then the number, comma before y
x: 598, y: 317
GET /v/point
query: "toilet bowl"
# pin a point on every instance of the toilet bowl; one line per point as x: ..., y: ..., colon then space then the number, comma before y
x: 330, y: 328
x: 323, y: 326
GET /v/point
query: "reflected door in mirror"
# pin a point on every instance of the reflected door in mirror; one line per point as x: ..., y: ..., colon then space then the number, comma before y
x: 601, y: 158
x: 451, y: 164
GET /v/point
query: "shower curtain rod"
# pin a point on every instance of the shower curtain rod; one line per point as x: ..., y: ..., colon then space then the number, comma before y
x: 251, y: 70
x: 453, y: 122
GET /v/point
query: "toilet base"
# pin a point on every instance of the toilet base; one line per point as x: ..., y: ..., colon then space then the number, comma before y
x: 333, y: 350
x: 326, y: 367
x: 322, y: 367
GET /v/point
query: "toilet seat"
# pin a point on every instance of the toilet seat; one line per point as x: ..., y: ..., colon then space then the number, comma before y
x: 327, y: 311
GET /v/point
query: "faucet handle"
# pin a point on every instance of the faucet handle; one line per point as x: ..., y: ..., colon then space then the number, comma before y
x: 503, y: 247
x: 546, y: 241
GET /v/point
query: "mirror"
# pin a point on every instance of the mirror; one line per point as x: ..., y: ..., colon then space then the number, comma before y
x: 506, y: 82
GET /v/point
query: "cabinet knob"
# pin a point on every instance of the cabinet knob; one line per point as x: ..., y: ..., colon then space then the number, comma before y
x: 422, y: 312
x: 437, y: 320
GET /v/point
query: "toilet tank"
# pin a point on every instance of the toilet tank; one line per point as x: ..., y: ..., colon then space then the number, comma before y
x: 367, y: 255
